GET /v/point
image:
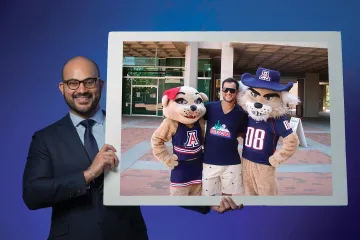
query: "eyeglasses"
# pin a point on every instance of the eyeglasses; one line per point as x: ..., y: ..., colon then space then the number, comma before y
x: 74, y: 84
x: 231, y: 90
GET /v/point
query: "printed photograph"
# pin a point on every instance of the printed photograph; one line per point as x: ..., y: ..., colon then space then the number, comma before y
x: 225, y: 118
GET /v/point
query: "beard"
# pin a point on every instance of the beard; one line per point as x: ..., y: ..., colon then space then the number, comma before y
x: 88, y: 111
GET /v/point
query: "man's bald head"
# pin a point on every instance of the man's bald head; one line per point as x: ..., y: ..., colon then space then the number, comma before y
x: 77, y: 63
x: 81, y: 86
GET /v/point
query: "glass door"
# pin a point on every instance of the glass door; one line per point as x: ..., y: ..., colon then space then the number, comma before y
x: 144, y: 100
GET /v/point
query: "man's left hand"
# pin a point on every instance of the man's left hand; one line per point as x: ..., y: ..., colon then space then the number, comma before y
x: 226, y: 204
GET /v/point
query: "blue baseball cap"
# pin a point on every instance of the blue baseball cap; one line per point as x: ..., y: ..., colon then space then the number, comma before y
x: 267, y: 79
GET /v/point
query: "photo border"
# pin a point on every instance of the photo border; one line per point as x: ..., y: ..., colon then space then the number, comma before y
x: 331, y: 40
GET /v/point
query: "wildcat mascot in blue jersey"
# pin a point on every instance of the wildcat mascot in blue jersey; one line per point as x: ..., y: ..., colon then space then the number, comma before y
x: 266, y: 101
x: 183, y: 108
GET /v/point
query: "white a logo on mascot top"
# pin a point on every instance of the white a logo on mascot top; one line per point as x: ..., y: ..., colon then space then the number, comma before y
x: 192, y: 140
x: 265, y: 75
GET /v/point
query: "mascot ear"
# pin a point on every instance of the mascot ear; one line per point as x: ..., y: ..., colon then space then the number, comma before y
x: 289, y: 98
x: 242, y: 87
x: 240, y: 96
x: 165, y: 101
x: 169, y: 94
x: 204, y: 97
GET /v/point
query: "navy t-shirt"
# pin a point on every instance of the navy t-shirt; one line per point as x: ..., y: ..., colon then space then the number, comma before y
x: 221, y: 144
x: 262, y: 138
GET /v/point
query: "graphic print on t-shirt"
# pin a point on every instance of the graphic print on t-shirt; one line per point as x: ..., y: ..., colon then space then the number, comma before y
x: 220, y: 130
x: 192, y: 139
x: 255, y: 138
x: 262, y: 138
x: 190, y: 146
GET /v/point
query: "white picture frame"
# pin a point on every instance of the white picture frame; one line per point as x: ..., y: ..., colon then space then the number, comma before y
x: 331, y: 40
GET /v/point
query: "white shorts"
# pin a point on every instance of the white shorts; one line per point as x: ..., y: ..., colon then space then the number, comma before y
x: 222, y: 179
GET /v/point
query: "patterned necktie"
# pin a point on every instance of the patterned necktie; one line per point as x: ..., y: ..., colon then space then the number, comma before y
x: 89, y: 140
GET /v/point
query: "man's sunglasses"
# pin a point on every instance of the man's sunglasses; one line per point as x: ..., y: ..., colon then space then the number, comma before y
x: 231, y: 90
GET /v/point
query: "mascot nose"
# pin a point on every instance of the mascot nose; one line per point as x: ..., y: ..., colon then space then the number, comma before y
x: 258, y: 105
x: 193, y: 108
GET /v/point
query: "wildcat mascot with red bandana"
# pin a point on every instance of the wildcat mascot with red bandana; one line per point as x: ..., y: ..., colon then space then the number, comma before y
x: 266, y: 101
x: 183, y: 108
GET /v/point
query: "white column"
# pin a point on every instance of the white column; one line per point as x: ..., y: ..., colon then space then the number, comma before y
x: 227, y: 63
x: 191, y: 65
x: 311, y: 95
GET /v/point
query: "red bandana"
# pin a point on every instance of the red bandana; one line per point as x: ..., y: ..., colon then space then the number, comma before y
x: 171, y: 93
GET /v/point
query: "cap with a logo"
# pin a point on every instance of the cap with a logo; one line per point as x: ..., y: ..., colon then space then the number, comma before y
x: 265, y: 78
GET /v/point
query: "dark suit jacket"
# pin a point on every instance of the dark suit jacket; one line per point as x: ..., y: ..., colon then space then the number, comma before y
x: 53, y: 177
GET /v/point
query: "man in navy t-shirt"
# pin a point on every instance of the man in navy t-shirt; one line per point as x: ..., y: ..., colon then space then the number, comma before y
x: 226, y: 121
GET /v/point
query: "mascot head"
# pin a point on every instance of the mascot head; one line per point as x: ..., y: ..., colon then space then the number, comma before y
x: 263, y: 96
x: 184, y: 104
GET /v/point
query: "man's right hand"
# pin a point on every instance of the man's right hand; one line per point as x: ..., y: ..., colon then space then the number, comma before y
x: 105, y: 157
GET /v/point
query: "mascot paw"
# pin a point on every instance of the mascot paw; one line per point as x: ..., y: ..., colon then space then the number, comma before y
x: 172, y: 162
x: 273, y: 162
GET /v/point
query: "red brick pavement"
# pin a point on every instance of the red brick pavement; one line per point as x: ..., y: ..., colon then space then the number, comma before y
x: 132, y: 136
x: 149, y: 156
x: 323, y: 138
x: 319, y: 184
x: 144, y: 183
x: 156, y: 183
x: 152, y: 182
x: 309, y: 157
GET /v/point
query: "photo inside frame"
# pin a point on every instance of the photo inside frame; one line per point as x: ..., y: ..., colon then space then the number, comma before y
x: 149, y: 68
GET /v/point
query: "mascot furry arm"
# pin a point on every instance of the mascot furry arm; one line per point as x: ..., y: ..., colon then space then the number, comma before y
x: 290, y: 144
x: 272, y: 108
x: 162, y: 135
x: 178, y: 106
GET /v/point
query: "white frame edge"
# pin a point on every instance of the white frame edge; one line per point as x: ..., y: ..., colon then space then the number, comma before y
x: 330, y: 40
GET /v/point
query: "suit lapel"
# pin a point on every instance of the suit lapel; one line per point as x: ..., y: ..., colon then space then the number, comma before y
x: 70, y: 137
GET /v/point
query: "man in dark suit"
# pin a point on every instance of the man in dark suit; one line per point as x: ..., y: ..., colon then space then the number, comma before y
x: 65, y: 165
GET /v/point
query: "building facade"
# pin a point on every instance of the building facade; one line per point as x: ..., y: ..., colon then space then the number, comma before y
x: 203, y: 65
x: 145, y: 80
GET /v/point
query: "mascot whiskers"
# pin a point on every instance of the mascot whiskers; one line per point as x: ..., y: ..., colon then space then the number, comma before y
x: 183, y: 108
x: 266, y: 101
